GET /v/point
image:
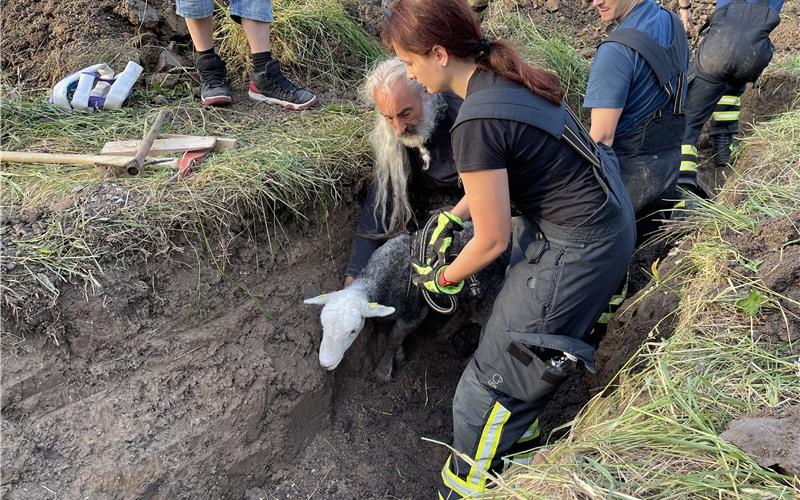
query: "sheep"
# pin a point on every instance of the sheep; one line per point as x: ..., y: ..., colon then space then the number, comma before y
x: 383, y: 290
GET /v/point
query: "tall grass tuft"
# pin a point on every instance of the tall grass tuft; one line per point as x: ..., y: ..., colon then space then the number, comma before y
x: 317, y: 38
x: 276, y: 174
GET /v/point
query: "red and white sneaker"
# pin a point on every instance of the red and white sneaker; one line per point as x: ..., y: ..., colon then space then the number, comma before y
x: 273, y: 87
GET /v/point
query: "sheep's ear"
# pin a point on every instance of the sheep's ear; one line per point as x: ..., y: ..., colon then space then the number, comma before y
x: 319, y: 300
x: 375, y: 310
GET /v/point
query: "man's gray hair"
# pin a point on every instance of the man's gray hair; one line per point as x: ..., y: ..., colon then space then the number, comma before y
x: 383, y: 76
x: 391, y: 162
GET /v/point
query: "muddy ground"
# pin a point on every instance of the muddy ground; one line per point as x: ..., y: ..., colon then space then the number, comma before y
x: 180, y: 379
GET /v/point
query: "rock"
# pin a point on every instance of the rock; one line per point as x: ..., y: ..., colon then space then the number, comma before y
x: 551, y: 5
x: 175, y: 25
x: 255, y: 494
x: 140, y: 12
x: 168, y: 59
x: 773, y: 440
x: 160, y: 100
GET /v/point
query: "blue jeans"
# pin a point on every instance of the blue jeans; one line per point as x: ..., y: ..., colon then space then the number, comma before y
x: 257, y: 10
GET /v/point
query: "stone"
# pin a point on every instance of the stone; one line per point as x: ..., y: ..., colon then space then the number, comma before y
x: 140, y: 12
x: 175, y: 26
x: 551, y: 5
x: 168, y: 59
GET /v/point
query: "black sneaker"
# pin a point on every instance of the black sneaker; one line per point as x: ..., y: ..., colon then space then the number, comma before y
x: 213, y: 87
x: 271, y: 86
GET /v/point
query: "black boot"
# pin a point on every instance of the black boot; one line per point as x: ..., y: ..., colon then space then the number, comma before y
x: 722, y: 146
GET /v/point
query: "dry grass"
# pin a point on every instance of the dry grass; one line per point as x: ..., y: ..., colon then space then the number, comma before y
x: 541, y: 47
x: 73, y: 219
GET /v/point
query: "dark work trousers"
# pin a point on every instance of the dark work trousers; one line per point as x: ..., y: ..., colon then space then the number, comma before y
x: 557, y: 284
x: 649, y: 158
x: 734, y: 52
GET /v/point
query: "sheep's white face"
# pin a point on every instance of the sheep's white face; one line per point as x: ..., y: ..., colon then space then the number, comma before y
x: 342, y: 318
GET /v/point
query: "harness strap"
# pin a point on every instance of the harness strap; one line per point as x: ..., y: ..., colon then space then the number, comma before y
x: 521, y: 105
x: 666, y: 62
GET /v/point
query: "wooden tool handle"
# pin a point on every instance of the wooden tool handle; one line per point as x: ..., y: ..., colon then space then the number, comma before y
x: 62, y: 158
x: 151, y: 136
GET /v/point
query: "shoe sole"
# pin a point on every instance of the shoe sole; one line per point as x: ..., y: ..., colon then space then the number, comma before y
x: 221, y: 100
x: 286, y: 104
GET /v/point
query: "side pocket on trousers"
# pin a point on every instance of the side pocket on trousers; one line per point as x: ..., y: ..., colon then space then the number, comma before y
x: 521, y: 374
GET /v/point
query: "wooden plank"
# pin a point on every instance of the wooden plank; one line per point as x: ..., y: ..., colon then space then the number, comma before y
x: 226, y: 143
x: 161, y: 146
x: 222, y: 142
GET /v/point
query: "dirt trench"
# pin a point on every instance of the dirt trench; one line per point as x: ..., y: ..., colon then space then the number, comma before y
x: 179, y: 379
x: 175, y: 379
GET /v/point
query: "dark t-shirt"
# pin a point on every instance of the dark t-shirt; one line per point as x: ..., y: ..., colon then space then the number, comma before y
x: 547, y: 179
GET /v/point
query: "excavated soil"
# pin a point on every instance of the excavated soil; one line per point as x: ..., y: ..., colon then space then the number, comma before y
x: 772, y: 436
x: 179, y: 378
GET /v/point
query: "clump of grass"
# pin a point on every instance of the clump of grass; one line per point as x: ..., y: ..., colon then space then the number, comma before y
x: 277, y: 173
x: 316, y: 37
x: 542, y: 47
x: 656, y: 434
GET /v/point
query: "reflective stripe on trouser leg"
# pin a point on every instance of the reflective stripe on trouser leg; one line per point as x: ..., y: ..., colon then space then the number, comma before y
x: 687, y: 174
x: 606, y: 316
x: 725, y: 116
x: 526, y: 444
x: 688, y: 159
x: 474, y: 481
x: 487, y: 424
x: 727, y: 112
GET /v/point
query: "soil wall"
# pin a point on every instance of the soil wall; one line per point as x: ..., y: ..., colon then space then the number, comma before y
x: 174, y: 379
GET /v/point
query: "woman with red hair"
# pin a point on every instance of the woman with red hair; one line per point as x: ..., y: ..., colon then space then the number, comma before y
x: 518, y: 148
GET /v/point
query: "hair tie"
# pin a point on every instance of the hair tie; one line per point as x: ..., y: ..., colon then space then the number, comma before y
x: 483, y: 46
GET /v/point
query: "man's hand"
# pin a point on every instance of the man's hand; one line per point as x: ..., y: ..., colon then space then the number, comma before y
x: 348, y: 280
x: 431, y: 278
x: 441, y: 238
x: 688, y: 22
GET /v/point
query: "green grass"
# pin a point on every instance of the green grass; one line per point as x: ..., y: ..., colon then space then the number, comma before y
x: 280, y: 171
x: 542, y: 47
x: 317, y: 38
x: 657, y: 433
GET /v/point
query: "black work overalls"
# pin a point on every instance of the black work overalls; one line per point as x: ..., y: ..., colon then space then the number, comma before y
x: 557, y: 284
x: 649, y: 154
x: 734, y: 52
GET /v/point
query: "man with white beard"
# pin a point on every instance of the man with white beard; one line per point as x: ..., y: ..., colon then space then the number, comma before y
x: 414, y: 169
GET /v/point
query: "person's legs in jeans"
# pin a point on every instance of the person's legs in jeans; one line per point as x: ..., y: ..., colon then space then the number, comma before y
x: 268, y: 83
